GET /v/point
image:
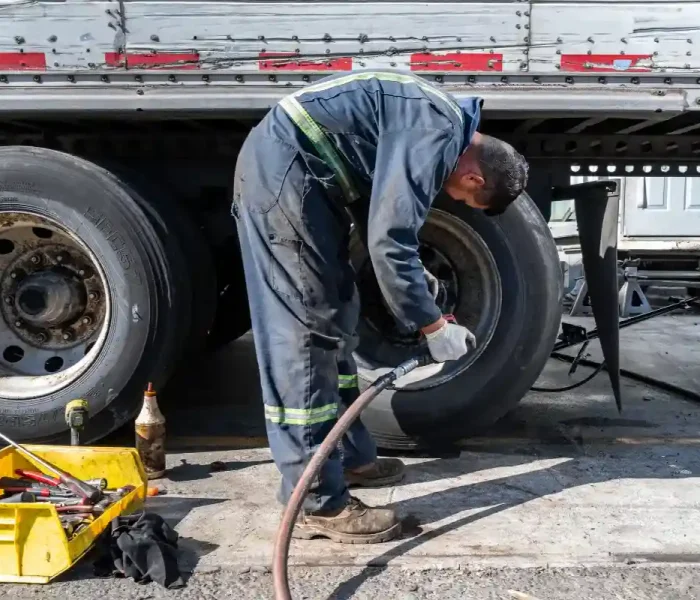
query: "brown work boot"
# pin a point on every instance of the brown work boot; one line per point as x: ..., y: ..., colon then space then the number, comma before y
x: 382, y: 472
x: 355, y: 523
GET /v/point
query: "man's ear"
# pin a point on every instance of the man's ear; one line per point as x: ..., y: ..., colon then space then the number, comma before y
x: 472, y: 181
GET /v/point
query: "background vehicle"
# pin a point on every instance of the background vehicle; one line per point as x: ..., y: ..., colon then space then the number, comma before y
x: 120, y: 123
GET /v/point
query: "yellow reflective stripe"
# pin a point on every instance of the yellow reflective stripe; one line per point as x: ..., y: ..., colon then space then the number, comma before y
x: 282, y: 420
x: 277, y: 410
x: 319, y: 139
x: 395, y: 77
x: 347, y: 381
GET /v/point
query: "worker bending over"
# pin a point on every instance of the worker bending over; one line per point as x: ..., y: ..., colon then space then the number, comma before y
x: 380, y: 145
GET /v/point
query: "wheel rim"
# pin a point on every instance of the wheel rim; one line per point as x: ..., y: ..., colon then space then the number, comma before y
x: 470, y: 288
x: 54, y: 304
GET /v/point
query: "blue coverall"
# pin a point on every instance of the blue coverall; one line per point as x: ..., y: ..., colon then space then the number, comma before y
x: 398, y: 139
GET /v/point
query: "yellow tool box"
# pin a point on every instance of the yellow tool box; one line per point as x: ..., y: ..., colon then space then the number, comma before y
x: 34, y: 548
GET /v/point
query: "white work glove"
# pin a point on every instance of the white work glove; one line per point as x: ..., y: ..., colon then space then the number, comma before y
x: 450, y: 342
x: 433, y: 283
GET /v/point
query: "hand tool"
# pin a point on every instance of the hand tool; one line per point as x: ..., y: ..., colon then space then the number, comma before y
x: 21, y: 497
x: 76, y: 417
x: 64, y: 501
x: 40, y: 477
x: 82, y: 509
x: 284, y: 533
x: 100, y: 483
x: 15, y: 482
x: 79, y: 488
x: 122, y: 491
x: 41, y: 491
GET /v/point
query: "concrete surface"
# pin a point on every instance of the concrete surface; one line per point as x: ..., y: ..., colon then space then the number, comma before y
x: 563, y: 500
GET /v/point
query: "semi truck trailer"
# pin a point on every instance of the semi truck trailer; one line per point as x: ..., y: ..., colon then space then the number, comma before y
x: 120, y: 124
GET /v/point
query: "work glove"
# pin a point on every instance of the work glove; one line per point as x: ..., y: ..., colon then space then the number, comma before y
x: 450, y: 342
x: 433, y: 283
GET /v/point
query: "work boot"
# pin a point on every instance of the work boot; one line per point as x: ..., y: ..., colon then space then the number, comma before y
x: 382, y: 472
x: 355, y: 523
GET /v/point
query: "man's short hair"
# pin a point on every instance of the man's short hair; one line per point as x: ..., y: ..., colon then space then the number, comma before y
x: 505, y: 173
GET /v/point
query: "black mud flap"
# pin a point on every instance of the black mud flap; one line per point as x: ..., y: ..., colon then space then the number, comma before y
x: 597, y: 211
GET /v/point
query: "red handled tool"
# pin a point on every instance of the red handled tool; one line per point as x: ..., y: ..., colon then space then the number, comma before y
x: 79, y: 488
x: 40, y: 477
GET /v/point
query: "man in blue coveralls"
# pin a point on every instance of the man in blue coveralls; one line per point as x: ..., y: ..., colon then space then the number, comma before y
x: 381, y: 146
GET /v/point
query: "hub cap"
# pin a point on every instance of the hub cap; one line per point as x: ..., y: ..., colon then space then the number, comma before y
x: 54, y: 306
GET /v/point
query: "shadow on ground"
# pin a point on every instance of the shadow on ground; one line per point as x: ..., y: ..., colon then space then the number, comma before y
x: 484, y: 499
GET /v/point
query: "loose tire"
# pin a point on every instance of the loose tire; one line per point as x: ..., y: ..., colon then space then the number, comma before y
x: 505, y: 285
x: 89, y: 231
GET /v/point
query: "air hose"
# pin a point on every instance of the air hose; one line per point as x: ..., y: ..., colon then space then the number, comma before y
x: 284, y: 532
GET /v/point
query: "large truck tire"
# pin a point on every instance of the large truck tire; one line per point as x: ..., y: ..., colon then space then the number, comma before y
x: 501, y: 278
x: 184, y: 243
x: 94, y: 302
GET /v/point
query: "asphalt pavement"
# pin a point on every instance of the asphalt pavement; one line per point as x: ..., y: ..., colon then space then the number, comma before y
x: 565, y: 499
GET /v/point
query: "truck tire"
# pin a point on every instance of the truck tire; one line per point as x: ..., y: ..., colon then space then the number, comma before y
x: 501, y: 278
x: 93, y: 305
x: 184, y: 243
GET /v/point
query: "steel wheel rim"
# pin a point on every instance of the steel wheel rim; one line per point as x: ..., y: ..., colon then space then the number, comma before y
x: 478, y: 309
x: 55, y: 306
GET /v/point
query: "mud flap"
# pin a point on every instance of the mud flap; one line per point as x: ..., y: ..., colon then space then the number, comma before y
x: 597, y: 211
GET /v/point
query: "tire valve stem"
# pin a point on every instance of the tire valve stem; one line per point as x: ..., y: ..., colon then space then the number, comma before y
x: 150, y: 435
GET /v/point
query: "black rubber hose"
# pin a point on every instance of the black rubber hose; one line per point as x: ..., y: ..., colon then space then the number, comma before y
x: 284, y: 532
x: 572, y: 386
x: 645, y: 379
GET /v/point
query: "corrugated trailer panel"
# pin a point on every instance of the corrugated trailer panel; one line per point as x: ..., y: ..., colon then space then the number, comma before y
x: 317, y: 36
x: 69, y: 35
x: 523, y: 57
x: 607, y: 37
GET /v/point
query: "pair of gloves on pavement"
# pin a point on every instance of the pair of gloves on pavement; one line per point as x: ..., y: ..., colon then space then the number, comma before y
x: 451, y: 341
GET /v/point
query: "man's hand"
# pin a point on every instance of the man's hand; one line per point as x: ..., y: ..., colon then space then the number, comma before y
x: 448, y: 341
x: 433, y: 283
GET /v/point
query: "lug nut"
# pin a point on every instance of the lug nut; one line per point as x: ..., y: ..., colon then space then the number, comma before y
x: 41, y: 337
x: 61, y: 257
x: 67, y: 335
x: 93, y: 295
x: 86, y: 320
x: 9, y: 299
x: 18, y: 323
x: 36, y: 259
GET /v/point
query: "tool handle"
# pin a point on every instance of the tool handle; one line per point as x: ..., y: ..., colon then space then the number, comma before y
x: 75, y: 509
x: 20, y: 497
x: 80, y: 488
x: 44, y: 492
x: 40, y: 477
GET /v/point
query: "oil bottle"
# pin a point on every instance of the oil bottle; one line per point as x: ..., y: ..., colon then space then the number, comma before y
x: 150, y: 435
